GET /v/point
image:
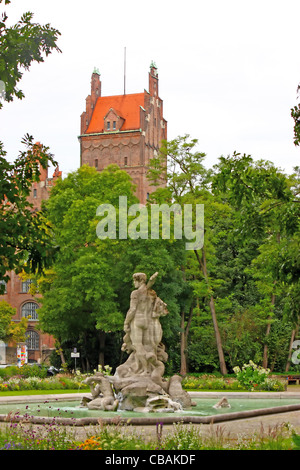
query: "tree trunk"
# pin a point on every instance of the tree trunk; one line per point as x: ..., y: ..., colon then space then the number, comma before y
x: 223, y: 367
x: 59, y: 350
x: 101, y: 348
x: 265, y: 356
x: 293, y: 335
x: 202, y: 264
x: 183, y: 342
x: 183, y: 361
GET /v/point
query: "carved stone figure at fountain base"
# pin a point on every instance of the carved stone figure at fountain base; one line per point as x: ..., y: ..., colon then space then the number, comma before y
x: 103, y: 397
x: 223, y: 403
x: 136, y: 393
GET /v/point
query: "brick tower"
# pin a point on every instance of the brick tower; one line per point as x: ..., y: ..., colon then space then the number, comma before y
x: 123, y: 129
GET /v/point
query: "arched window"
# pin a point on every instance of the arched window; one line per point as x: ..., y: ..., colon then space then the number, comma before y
x: 29, y: 310
x: 32, y: 340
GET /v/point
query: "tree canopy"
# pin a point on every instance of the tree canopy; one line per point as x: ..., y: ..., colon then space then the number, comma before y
x: 20, y: 45
x: 24, y: 241
x: 86, y: 293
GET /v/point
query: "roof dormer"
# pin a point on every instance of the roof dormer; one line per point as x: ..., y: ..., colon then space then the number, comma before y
x: 113, y: 121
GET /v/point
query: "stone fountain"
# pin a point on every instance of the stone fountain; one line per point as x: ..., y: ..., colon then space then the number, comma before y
x: 138, y: 384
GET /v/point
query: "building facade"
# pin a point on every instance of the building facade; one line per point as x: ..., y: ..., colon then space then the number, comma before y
x: 126, y: 130
x: 17, y: 293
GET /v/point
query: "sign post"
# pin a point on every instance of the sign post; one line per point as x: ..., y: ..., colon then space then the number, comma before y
x: 75, y: 354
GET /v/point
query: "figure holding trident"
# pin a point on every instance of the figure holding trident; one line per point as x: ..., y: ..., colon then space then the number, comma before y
x: 143, y: 332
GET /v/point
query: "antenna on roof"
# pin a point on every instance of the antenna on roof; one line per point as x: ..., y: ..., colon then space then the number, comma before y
x: 124, y: 70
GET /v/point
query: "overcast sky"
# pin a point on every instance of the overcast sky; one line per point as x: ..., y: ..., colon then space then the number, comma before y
x: 228, y: 72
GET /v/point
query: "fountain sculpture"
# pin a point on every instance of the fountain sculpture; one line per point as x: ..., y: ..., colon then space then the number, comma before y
x: 138, y: 384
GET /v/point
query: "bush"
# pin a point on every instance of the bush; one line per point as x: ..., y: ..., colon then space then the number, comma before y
x: 116, y: 438
x: 34, y: 370
x: 28, y: 370
x: 212, y: 382
x: 209, y: 382
x: 9, y: 371
x: 251, y: 376
x: 61, y: 382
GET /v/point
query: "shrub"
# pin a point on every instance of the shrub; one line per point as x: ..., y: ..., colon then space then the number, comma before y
x: 36, y: 383
x: 9, y: 371
x: 19, y: 436
x: 183, y: 437
x: 115, y: 438
x: 274, y: 385
x: 209, y: 382
x: 251, y: 375
x: 34, y: 370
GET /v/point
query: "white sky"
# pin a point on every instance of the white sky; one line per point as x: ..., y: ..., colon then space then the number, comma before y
x: 228, y: 72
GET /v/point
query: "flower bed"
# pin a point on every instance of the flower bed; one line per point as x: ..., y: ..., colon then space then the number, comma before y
x: 35, y: 383
x: 211, y: 382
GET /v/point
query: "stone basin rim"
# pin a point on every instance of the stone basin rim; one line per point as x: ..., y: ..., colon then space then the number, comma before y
x: 4, y: 400
x: 148, y: 420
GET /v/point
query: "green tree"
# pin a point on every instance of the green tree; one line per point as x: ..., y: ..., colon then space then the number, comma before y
x: 295, y: 113
x: 267, y: 211
x: 20, y: 45
x: 6, y: 314
x: 79, y: 293
x: 86, y: 293
x: 188, y: 182
x: 9, y: 330
x: 24, y: 240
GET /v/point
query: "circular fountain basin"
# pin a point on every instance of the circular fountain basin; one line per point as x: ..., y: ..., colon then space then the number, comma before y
x: 204, y: 408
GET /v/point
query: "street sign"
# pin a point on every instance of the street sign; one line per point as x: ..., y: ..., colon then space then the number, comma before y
x: 75, y: 354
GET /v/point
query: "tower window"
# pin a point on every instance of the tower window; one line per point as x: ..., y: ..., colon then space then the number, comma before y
x: 125, y: 161
x: 96, y: 163
x: 108, y: 125
x: 35, y: 193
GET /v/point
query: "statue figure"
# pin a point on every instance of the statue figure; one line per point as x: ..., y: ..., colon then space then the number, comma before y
x: 138, y: 384
x: 102, y: 394
x: 143, y: 332
x: 223, y: 403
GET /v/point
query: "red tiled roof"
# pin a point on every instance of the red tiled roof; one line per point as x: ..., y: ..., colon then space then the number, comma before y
x: 126, y: 106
